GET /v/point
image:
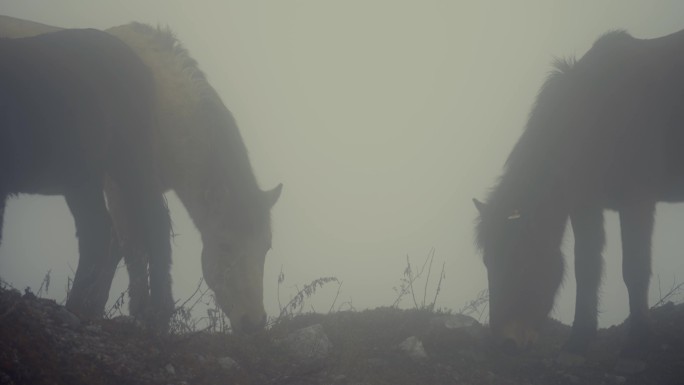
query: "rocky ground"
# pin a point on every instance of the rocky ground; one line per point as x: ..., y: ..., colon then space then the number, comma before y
x: 42, y: 343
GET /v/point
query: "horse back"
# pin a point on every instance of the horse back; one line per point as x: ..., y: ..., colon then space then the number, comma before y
x: 623, y: 119
x: 68, y: 100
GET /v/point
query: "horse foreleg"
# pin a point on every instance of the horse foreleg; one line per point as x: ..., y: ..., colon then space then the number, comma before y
x: 158, y: 232
x: 148, y: 218
x: 587, y: 226
x: 3, y: 202
x: 636, y: 223
x: 98, y: 254
x: 131, y: 249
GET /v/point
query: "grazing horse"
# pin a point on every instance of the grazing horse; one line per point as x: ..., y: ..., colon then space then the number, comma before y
x: 202, y: 157
x: 76, y: 109
x: 606, y: 132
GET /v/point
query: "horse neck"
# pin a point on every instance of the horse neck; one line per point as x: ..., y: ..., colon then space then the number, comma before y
x: 231, y: 156
x: 224, y: 180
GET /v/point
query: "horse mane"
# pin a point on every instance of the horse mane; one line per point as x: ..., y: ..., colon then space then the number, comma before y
x: 202, y: 136
x: 526, y: 170
x: 550, y: 92
x: 610, y: 38
x: 553, y: 96
x: 540, y: 157
x: 526, y: 162
x: 164, y: 39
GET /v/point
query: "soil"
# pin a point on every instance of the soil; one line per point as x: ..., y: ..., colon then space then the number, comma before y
x: 42, y: 343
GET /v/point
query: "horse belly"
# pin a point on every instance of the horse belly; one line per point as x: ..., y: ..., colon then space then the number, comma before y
x: 43, y: 151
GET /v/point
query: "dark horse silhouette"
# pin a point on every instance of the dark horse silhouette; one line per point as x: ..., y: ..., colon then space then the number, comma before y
x: 76, y: 107
x: 606, y: 132
x: 202, y: 157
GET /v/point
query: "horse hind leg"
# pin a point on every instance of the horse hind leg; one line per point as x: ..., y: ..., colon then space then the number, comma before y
x: 98, y: 255
x: 636, y: 224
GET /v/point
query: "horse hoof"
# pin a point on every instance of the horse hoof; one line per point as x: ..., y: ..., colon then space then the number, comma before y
x: 251, y: 327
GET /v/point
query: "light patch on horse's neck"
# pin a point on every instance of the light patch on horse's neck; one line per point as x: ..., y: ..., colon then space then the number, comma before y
x: 202, y: 150
x: 179, y: 81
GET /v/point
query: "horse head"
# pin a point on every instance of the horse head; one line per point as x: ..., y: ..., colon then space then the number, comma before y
x: 524, y: 270
x: 233, y: 257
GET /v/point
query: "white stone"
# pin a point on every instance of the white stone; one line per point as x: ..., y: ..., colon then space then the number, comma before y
x: 413, y: 347
x: 309, y: 344
x: 170, y: 369
x: 227, y: 362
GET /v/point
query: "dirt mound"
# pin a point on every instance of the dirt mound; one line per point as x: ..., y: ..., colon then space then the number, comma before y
x: 42, y: 343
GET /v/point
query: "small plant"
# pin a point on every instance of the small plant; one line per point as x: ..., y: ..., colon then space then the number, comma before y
x: 182, y: 320
x: 6, y: 285
x: 675, y: 290
x: 296, y: 304
x: 117, y: 307
x: 476, y: 306
x: 44, y: 284
x: 69, y: 285
x: 218, y: 321
x: 406, y: 285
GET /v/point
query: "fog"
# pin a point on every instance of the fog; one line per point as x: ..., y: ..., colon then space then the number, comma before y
x: 382, y: 119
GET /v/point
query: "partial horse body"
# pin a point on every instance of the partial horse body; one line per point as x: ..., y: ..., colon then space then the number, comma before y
x: 76, y: 108
x: 606, y: 132
x: 202, y: 157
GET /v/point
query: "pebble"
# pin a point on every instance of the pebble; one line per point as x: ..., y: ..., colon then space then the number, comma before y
x: 629, y: 367
x: 413, y: 347
x: 227, y: 363
x: 170, y: 369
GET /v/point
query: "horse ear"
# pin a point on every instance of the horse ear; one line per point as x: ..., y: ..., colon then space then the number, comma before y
x: 481, y: 207
x: 273, y: 195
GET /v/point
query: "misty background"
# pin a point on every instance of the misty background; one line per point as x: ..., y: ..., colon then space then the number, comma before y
x: 382, y: 119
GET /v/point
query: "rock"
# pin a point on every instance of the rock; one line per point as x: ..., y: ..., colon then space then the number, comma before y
x: 170, y: 369
x: 340, y: 378
x: 571, y: 378
x: 495, y: 379
x: 456, y: 321
x: 227, y: 363
x: 459, y: 322
x: 413, y: 347
x: 629, y: 366
x: 618, y: 380
x: 125, y: 320
x: 308, y: 345
x: 378, y: 363
x: 129, y: 322
x: 477, y: 356
x: 491, y: 377
x: 570, y: 359
x: 67, y: 318
x: 95, y: 329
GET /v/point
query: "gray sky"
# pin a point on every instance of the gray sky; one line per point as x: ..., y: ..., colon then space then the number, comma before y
x: 382, y: 119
